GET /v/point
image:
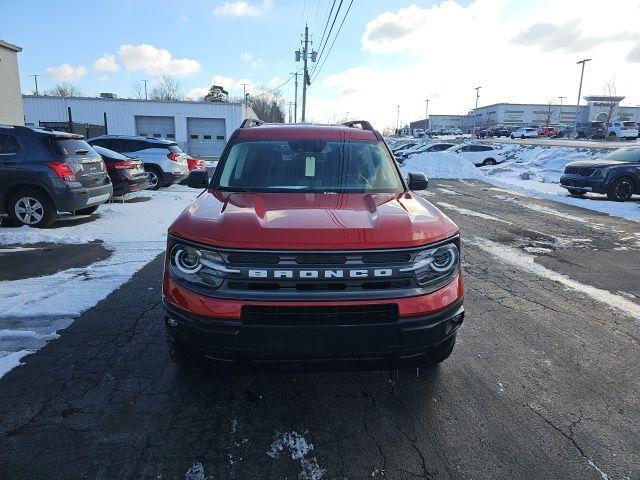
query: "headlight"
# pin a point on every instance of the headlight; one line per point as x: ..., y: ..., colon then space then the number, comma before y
x: 197, y: 266
x: 432, y: 265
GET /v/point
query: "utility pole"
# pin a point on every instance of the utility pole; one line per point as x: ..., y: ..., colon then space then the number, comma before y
x: 347, y: 117
x: 35, y: 78
x: 295, y: 99
x: 145, y: 89
x: 575, y: 127
x: 426, y: 115
x: 244, y: 99
x: 398, y: 120
x: 560, y: 113
x: 306, y: 55
x: 476, y: 109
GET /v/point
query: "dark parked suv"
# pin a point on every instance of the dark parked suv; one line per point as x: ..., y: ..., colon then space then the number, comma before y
x: 126, y: 173
x: 617, y: 174
x: 43, y: 173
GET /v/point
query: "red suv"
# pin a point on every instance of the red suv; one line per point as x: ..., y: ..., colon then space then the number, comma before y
x: 308, y: 245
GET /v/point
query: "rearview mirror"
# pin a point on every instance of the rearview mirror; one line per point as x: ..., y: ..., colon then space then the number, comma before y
x: 198, y: 179
x: 417, y: 181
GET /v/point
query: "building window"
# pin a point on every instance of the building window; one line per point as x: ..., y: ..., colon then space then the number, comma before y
x: 143, y: 134
x: 170, y: 135
x: 220, y: 137
x: 207, y: 137
x: 157, y: 135
x: 193, y: 137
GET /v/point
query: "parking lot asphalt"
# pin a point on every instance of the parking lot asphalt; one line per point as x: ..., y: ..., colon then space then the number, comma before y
x: 543, y: 382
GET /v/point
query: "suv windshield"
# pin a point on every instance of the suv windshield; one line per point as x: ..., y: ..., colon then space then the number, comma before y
x: 69, y: 146
x: 623, y: 155
x: 309, y: 166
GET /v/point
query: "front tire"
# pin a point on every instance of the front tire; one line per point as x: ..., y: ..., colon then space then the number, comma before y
x: 488, y: 161
x: 621, y: 189
x: 576, y: 193
x: 155, y: 177
x: 32, y: 208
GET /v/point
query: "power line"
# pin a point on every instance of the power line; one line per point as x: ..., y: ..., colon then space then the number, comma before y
x: 326, y: 23
x: 333, y: 43
x: 274, y: 89
x: 321, y: 48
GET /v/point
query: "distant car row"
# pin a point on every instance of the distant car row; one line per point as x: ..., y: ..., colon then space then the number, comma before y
x: 435, y: 132
x: 623, y: 130
x: 479, y: 155
x: 44, y: 172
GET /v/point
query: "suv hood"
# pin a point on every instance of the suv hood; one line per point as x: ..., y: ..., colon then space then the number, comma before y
x: 596, y: 163
x: 312, y: 221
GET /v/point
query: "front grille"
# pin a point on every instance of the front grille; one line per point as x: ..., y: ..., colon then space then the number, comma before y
x: 319, y: 315
x: 583, y: 171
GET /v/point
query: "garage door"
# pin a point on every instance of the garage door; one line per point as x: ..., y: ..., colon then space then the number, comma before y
x: 158, y: 127
x: 206, y: 137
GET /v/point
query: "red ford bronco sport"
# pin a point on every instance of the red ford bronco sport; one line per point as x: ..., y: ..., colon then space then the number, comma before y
x: 307, y: 245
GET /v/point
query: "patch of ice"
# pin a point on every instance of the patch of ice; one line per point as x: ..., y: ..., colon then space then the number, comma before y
x: 26, y: 235
x: 196, y: 472
x: 447, y: 191
x: 526, y: 263
x: 472, y: 213
x: 299, y: 448
x: 538, y: 250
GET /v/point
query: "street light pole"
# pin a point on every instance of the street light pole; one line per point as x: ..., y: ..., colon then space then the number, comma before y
x: 35, y: 79
x: 426, y: 115
x: 398, y: 120
x: 575, y: 129
x: 145, y: 89
x: 476, y: 109
x: 560, y: 112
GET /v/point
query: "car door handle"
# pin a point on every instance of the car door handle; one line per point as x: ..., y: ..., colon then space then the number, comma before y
x: 7, y: 162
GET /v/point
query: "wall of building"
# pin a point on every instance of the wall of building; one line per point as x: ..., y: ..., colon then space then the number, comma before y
x: 121, y: 113
x: 11, y: 112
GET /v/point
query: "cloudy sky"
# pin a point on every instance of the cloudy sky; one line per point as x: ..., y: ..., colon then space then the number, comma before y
x: 388, y: 53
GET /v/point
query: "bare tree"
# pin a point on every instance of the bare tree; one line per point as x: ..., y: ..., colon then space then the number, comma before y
x: 216, y: 94
x: 167, y: 88
x: 268, y: 105
x: 137, y: 91
x: 549, y: 112
x: 64, y: 89
x: 610, y: 105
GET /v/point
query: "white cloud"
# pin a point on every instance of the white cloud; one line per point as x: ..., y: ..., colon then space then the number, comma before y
x: 156, y: 61
x: 437, y: 52
x: 243, y: 9
x: 234, y: 87
x: 66, y: 72
x: 197, y: 93
x: 275, y: 81
x: 106, y: 63
x: 248, y: 57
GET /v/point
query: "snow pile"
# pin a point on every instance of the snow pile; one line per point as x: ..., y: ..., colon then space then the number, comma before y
x: 33, y: 309
x: 540, y: 164
x: 299, y: 449
x: 441, y: 165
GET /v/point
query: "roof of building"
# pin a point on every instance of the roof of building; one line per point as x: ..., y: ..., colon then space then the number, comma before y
x: 130, y: 100
x: 10, y: 46
x: 604, y: 98
x: 305, y: 131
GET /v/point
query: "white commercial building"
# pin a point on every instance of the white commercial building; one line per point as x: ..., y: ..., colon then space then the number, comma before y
x: 200, y: 128
x: 10, y: 98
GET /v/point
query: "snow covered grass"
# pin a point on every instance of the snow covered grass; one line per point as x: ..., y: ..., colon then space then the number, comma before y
x: 33, y: 309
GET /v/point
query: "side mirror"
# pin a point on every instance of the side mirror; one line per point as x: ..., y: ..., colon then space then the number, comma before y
x: 417, y: 181
x: 198, y: 179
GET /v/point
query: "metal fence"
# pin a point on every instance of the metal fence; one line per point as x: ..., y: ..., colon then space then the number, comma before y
x: 86, y: 129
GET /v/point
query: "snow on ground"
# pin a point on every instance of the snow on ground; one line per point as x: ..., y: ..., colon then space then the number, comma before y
x: 528, y: 169
x: 441, y: 165
x: 33, y: 309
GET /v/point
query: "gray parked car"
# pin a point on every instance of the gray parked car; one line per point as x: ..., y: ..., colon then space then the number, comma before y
x: 43, y: 173
x: 163, y: 160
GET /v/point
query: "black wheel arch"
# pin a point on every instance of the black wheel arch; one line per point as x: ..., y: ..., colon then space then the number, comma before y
x: 15, y: 187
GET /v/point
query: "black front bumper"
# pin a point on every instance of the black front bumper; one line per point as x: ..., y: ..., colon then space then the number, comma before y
x: 406, y: 342
x: 579, y: 182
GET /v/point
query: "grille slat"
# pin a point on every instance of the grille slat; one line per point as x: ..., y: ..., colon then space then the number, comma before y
x: 582, y: 171
x: 319, y: 315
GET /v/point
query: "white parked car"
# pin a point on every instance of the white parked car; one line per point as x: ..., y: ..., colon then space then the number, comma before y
x: 622, y: 130
x: 525, y: 132
x: 479, y: 155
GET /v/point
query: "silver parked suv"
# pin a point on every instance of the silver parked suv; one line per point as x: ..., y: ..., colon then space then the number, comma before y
x: 163, y: 160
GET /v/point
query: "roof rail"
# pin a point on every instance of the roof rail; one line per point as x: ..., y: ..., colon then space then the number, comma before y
x: 363, y: 124
x: 251, y: 122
